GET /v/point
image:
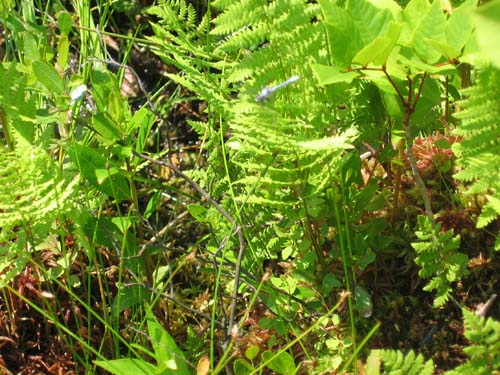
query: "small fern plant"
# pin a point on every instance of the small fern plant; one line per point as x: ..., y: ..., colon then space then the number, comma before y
x: 35, y: 191
x: 392, y: 362
x: 479, y: 151
x: 403, y: 52
x: 483, y: 352
x: 439, y: 259
x: 484, y: 348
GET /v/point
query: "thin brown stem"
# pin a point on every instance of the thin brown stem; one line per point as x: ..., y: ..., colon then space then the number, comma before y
x: 229, y: 217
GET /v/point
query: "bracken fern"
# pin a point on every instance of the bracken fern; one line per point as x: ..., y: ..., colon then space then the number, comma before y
x: 34, y: 194
x: 479, y: 151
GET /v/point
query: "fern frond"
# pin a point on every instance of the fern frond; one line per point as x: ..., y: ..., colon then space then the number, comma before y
x: 439, y: 259
x: 34, y: 193
x: 395, y: 362
x: 478, y: 152
x: 484, y: 351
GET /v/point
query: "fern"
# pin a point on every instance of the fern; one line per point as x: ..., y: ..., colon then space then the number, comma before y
x: 438, y: 258
x: 479, y: 151
x: 484, y: 351
x: 34, y: 193
x: 394, y: 362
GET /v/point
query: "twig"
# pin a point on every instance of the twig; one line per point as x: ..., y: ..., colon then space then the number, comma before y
x: 483, y: 308
x: 228, y: 216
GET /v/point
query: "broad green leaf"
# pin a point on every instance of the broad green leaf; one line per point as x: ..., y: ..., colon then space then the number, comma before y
x: 364, y: 303
x: 152, y: 204
x: 143, y: 120
x: 88, y: 160
x: 343, y: 36
x: 30, y: 48
x: 252, y: 352
x: 487, y: 23
x: 124, y: 222
x: 65, y: 23
x: 459, y: 26
x: 48, y: 77
x: 106, y: 128
x: 328, y: 75
x: 424, y: 23
x: 391, y: 5
x: 242, y: 367
x: 392, y: 105
x: 127, y: 366
x: 445, y: 49
x: 430, y: 97
x: 417, y: 66
x: 63, y: 51
x: 370, y: 21
x: 329, y: 283
x: 379, y: 49
x: 198, y: 212
x: 128, y: 296
x: 168, y: 355
x: 102, y: 83
x: 380, y: 80
x: 280, y: 362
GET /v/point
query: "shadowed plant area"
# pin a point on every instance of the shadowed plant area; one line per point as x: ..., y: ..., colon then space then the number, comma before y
x: 249, y: 187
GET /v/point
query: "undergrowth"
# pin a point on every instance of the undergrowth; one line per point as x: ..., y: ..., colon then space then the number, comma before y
x: 254, y: 253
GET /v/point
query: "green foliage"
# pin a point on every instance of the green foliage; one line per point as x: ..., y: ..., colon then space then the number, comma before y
x: 36, y: 191
x: 169, y: 358
x: 34, y: 194
x: 479, y: 151
x: 393, y: 362
x: 484, y: 353
x: 484, y: 350
x: 287, y: 166
x: 281, y: 363
x: 439, y: 259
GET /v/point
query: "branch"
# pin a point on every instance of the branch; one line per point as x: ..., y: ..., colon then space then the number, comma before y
x: 228, y: 216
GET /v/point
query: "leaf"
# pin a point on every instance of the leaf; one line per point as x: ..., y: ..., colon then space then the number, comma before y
x: 127, y: 366
x: 65, y: 23
x: 198, y: 211
x: 487, y: 23
x: 424, y: 22
x: 252, y: 352
x: 364, y: 303
x: 370, y: 20
x: 343, y: 36
x: 63, y: 51
x: 88, y: 160
x: 129, y: 296
x: 242, y: 367
x: 108, y: 131
x: 168, y: 355
x: 280, y: 362
x: 396, y: 363
x: 460, y: 25
x: 152, y: 204
x: 143, y: 120
x: 379, y: 49
x: 30, y: 48
x: 328, y: 75
x: 48, y: 77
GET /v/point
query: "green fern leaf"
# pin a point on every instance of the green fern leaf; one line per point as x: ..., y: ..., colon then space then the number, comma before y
x: 484, y: 351
x: 34, y: 193
x: 396, y: 363
x: 479, y: 150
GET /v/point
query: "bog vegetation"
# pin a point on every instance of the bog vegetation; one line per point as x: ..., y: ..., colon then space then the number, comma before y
x: 249, y: 187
